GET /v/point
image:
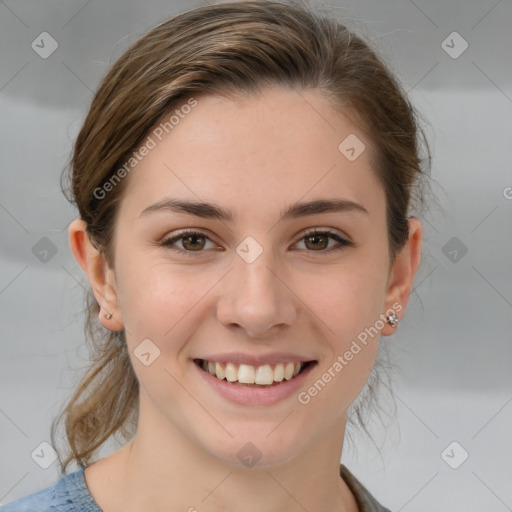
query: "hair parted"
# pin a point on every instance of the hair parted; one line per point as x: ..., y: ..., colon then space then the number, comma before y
x: 230, y: 49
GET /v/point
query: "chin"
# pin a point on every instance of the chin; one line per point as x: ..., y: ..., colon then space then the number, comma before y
x: 259, y: 451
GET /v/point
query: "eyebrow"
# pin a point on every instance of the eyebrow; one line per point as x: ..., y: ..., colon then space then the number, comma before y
x: 213, y: 211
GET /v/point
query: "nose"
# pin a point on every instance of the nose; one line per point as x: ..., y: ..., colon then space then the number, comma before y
x: 256, y: 298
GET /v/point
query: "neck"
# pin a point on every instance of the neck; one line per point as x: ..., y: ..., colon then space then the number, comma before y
x: 161, y: 467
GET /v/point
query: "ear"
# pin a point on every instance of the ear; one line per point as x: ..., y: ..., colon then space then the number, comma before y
x: 401, y: 277
x: 100, y: 275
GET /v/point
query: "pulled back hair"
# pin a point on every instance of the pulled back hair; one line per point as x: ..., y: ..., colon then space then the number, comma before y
x: 225, y: 49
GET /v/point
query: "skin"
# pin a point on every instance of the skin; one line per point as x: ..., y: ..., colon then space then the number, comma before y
x: 254, y: 156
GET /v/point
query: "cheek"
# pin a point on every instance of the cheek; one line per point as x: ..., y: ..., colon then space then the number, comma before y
x: 349, y: 304
x: 347, y: 299
x: 157, y: 298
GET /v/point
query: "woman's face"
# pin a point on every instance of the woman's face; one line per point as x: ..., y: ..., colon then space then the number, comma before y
x: 252, y: 287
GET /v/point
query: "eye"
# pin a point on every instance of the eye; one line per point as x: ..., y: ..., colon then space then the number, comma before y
x: 318, y: 240
x: 192, y: 241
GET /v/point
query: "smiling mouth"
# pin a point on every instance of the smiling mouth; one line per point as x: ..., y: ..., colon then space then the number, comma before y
x: 247, y: 375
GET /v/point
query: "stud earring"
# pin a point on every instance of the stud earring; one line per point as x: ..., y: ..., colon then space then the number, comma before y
x: 392, y: 319
x: 108, y: 316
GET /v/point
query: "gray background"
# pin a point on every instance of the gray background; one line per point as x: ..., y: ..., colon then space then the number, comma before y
x: 453, y: 349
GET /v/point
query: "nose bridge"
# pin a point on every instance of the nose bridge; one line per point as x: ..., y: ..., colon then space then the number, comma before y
x: 256, y: 277
x: 255, y: 296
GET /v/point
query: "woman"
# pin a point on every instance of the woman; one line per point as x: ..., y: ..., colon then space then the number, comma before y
x: 244, y: 181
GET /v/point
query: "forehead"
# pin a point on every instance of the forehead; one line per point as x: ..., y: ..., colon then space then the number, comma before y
x: 255, y: 153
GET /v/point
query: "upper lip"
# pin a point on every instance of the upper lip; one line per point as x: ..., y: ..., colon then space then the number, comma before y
x: 256, y: 360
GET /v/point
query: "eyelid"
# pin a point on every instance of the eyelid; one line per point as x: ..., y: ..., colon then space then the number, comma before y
x: 341, y: 239
x: 329, y: 231
x: 168, y: 240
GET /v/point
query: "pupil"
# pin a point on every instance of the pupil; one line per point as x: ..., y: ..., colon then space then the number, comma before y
x: 316, y: 237
x: 192, y: 237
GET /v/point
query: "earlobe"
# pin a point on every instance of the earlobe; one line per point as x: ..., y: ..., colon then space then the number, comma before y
x: 402, y: 275
x: 99, y: 274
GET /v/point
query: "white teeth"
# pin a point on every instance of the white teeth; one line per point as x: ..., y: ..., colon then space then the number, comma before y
x: 279, y: 372
x: 246, y: 374
x: 288, y: 371
x: 262, y: 375
x: 231, y: 373
x: 219, y: 371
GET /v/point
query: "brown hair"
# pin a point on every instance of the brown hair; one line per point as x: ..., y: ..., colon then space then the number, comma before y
x: 225, y: 49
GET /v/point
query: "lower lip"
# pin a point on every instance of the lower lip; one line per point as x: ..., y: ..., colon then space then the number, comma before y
x: 243, y: 395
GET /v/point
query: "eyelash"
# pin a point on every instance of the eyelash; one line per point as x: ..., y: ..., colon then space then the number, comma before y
x: 168, y: 242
